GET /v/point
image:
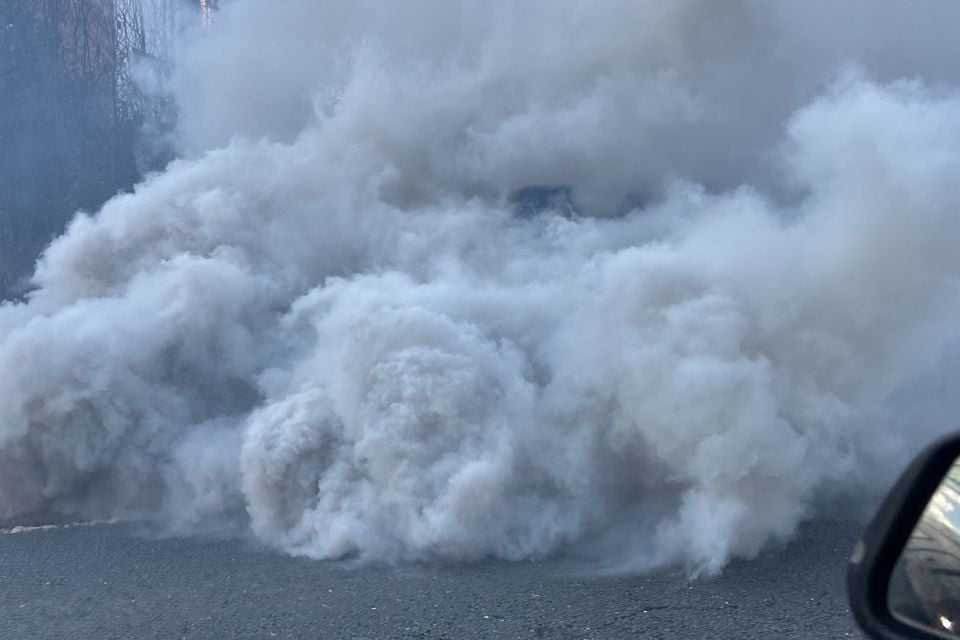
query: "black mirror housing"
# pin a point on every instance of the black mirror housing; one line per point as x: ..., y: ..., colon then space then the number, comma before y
x: 875, y: 556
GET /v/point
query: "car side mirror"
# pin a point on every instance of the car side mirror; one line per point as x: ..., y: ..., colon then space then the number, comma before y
x: 904, y: 576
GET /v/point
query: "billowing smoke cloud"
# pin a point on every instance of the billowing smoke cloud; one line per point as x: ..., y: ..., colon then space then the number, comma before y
x: 337, y: 323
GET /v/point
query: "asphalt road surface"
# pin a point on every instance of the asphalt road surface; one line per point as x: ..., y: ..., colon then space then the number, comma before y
x: 107, y: 581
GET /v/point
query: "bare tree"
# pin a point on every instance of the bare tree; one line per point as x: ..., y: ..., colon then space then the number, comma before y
x: 70, y: 114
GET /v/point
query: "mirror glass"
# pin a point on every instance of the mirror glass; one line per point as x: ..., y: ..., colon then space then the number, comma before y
x: 925, y: 585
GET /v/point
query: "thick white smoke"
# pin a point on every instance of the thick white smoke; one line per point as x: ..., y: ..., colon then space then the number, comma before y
x: 338, y: 322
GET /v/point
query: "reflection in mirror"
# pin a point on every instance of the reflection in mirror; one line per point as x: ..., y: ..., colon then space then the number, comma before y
x: 924, y: 588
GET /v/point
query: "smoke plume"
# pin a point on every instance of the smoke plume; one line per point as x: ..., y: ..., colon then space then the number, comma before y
x: 338, y: 322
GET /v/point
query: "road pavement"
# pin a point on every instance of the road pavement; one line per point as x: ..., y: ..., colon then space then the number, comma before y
x: 111, y: 581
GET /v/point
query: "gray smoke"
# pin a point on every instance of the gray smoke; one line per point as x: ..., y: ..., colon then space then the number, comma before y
x: 329, y: 323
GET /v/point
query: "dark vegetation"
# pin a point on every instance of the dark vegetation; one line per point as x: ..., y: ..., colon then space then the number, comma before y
x: 71, y: 119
